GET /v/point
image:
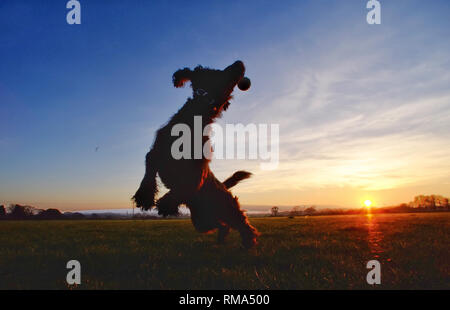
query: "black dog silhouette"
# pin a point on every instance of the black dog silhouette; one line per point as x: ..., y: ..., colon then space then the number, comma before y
x: 190, y: 180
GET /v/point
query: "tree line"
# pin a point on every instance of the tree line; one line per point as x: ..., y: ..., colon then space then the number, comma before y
x: 23, y: 212
x: 421, y: 203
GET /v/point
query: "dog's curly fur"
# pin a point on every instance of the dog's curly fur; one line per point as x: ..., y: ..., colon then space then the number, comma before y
x: 190, y: 181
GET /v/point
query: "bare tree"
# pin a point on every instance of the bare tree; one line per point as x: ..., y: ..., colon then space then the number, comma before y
x: 274, y: 211
x: 19, y: 212
x: 310, y: 210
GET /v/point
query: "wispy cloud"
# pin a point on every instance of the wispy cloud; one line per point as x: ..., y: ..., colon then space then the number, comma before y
x: 361, y: 115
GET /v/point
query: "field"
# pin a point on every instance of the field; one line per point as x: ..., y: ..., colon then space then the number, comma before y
x: 323, y: 252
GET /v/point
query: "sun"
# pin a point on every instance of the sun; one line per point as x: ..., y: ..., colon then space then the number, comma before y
x: 368, y: 203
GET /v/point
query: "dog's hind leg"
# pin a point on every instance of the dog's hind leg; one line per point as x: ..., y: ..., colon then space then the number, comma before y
x: 237, y: 219
x: 168, y: 204
x: 224, y: 230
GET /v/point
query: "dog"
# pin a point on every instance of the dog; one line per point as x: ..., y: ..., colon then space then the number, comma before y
x: 190, y: 180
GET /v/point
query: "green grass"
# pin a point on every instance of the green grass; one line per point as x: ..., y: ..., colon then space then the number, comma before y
x: 324, y: 252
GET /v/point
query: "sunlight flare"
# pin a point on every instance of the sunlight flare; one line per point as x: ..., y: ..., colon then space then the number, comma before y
x: 368, y: 203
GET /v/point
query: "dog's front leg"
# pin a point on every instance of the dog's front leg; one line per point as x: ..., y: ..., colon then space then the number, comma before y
x: 145, y: 195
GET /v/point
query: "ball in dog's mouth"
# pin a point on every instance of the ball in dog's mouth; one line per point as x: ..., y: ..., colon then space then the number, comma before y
x: 244, y: 83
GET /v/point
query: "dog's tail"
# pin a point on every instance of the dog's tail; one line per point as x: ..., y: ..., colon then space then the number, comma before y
x: 237, y: 177
x: 145, y: 195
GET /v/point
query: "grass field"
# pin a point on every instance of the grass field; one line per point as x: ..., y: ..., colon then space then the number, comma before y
x: 323, y: 252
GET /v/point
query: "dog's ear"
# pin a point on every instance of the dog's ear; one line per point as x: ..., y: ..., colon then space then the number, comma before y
x: 181, y: 77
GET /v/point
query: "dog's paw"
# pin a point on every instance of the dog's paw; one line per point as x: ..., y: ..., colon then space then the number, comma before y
x: 167, y: 209
x: 143, y: 200
x: 165, y: 212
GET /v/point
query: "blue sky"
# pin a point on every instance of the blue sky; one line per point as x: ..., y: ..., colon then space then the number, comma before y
x: 364, y: 110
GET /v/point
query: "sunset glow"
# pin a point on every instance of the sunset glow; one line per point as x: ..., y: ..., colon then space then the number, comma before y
x: 355, y: 124
x: 368, y: 203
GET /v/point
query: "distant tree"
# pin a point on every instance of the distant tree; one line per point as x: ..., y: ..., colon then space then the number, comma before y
x: 295, y: 211
x: 73, y: 216
x: 310, y: 210
x: 420, y: 201
x: 430, y: 202
x: 440, y: 202
x: 274, y: 211
x: 50, y: 214
x: 18, y: 212
x: 2, y: 212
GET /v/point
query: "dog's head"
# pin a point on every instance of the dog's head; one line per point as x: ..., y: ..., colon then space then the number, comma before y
x: 213, y: 88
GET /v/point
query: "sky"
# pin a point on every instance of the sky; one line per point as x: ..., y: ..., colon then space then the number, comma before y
x: 363, y: 110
